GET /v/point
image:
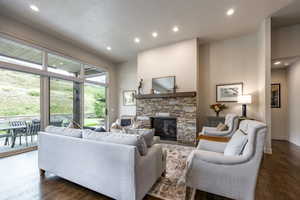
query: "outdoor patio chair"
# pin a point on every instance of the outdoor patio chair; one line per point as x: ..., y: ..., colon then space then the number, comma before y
x: 18, y: 132
x: 33, y: 128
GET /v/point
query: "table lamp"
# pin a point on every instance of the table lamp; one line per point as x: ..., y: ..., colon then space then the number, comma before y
x: 244, y: 100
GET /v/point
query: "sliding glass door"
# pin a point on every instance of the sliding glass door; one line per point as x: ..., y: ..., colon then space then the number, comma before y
x: 19, y: 110
x: 61, y: 102
x: 39, y: 87
x: 94, y: 105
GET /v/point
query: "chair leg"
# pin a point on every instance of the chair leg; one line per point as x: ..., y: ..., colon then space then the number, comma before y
x: 6, y: 141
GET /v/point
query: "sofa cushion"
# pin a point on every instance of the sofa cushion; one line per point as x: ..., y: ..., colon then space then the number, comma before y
x: 71, y: 132
x: 222, y: 127
x: 93, y: 135
x: 236, y: 144
x: 118, y: 138
x: 148, y: 134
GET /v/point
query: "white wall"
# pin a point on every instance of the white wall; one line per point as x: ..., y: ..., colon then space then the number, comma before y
x: 293, y: 81
x: 178, y: 60
x: 228, y: 61
x: 286, y: 41
x: 244, y: 59
x: 280, y: 115
x: 25, y: 33
x: 127, y: 80
x: 264, y: 77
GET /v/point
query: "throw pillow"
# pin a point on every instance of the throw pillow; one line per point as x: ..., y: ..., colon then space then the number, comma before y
x: 222, y: 127
x: 71, y: 132
x: 148, y: 134
x: 136, y: 124
x: 236, y: 144
x: 118, y: 138
x: 115, y: 126
x: 128, y: 139
x: 75, y: 125
x: 100, y: 129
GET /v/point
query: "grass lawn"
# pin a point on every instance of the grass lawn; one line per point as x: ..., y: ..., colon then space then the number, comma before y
x: 93, y: 122
x: 20, y: 96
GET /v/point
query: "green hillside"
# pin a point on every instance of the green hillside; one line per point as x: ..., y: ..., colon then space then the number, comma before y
x: 20, y: 95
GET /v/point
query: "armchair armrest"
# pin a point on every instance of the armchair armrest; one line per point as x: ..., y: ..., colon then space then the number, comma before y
x: 212, y: 143
x: 212, y: 131
x: 217, y: 158
x: 213, y: 138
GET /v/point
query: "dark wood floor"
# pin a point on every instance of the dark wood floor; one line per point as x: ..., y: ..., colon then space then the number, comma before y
x: 279, y: 179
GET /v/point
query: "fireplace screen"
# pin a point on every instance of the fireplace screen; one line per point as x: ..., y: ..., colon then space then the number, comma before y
x: 165, y: 127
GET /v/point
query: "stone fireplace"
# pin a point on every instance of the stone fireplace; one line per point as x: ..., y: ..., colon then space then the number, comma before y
x: 180, y: 107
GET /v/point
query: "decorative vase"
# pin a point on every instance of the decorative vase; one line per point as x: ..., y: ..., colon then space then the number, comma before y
x: 217, y: 113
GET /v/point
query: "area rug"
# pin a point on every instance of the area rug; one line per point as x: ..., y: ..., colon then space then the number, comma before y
x: 169, y: 187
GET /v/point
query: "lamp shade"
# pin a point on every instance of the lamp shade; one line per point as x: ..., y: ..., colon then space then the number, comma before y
x: 245, y: 99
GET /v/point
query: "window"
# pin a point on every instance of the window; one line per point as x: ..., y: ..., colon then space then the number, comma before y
x: 61, y: 102
x: 20, y: 54
x: 63, y: 66
x: 95, y: 75
x: 94, y: 105
x: 19, y: 104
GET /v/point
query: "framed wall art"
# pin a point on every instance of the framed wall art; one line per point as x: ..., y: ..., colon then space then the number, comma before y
x: 129, y: 98
x: 275, y: 95
x: 228, y: 92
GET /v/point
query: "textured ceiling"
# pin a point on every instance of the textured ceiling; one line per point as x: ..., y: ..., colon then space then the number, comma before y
x: 95, y: 24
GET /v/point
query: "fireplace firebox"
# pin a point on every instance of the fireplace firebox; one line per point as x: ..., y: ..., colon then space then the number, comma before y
x: 165, y: 127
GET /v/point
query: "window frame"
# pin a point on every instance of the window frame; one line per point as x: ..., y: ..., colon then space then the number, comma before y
x: 45, y: 76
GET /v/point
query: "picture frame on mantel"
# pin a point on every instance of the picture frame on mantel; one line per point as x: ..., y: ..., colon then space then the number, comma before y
x: 164, y: 85
x: 129, y: 98
x: 228, y: 92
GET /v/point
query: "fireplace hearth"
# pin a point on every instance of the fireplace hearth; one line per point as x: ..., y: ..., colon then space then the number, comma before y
x: 165, y: 127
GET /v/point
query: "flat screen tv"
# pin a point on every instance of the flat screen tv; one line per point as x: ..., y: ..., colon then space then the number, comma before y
x: 163, y: 85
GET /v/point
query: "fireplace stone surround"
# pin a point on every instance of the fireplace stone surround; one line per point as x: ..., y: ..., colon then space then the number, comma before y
x: 182, y: 108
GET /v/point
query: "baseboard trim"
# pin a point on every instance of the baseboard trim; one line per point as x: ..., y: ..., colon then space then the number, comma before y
x: 12, y: 153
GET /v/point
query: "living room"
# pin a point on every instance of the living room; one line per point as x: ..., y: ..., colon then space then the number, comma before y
x: 149, y: 100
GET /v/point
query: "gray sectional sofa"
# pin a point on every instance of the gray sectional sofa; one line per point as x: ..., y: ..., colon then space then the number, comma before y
x: 115, y: 170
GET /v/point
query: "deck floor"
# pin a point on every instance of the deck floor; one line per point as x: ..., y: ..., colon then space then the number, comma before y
x: 7, y: 148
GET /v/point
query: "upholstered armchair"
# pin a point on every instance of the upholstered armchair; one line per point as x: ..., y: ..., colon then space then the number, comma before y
x: 231, y: 176
x: 231, y: 121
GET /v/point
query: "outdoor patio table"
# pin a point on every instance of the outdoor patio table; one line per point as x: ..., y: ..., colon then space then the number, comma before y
x: 10, y: 129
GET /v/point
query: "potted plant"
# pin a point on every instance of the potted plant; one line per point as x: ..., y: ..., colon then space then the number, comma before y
x: 218, y: 108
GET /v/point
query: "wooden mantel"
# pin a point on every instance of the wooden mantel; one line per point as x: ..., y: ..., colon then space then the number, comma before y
x: 170, y: 95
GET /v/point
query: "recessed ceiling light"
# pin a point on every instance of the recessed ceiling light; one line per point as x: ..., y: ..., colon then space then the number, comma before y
x: 108, y: 48
x: 230, y: 12
x: 137, y: 40
x: 154, y: 34
x: 286, y: 64
x: 175, y: 29
x: 277, y: 63
x: 34, y: 8
x: 61, y: 63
